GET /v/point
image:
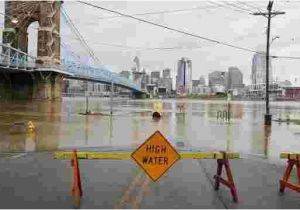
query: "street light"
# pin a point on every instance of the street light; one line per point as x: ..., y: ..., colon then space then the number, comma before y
x: 276, y: 37
x: 14, y: 20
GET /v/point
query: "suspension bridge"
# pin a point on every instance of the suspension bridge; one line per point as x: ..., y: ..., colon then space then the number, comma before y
x: 25, y: 76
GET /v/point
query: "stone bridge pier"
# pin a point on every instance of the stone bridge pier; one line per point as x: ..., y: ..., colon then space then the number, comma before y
x: 31, y: 86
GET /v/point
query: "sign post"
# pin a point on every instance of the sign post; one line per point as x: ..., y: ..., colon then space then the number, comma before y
x: 155, y: 156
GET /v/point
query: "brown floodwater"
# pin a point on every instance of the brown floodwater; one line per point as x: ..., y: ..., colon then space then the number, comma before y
x: 187, y: 124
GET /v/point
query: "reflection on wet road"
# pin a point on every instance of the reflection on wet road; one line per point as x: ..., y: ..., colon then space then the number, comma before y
x: 187, y: 124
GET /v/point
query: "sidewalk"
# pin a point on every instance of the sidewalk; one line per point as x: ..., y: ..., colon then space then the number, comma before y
x: 39, y: 181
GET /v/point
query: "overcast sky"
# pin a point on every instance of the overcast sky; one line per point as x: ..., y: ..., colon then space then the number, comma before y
x: 221, y: 22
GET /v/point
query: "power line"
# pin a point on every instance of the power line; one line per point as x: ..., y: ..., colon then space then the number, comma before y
x: 169, y: 28
x: 162, y: 12
x: 235, y: 6
x: 249, y: 5
x: 126, y: 46
x: 186, y: 33
x: 180, y: 31
x: 144, y: 48
x: 227, y: 7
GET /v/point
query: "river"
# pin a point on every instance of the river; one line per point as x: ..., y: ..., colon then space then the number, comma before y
x: 187, y: 124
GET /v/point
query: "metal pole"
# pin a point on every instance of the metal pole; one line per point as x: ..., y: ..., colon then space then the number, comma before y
x: 269, y: 15
x: 87, y: 104
x: 268, y: 116
x: 111, y: 97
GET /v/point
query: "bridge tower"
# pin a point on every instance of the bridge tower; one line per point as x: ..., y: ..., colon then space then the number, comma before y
x: 19, y: 15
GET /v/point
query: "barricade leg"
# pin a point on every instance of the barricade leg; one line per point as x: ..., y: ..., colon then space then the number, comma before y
x: 228, y: 183
x: 284, y: 182
x: 219, y: 171
x: 76, y: 185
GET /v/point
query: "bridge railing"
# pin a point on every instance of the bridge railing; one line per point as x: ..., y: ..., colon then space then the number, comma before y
x: 101, y: 73
x: 13, y: 58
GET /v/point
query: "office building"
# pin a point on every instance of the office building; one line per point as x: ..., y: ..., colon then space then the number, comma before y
x: 234, y: 79
x: 155, y: 76
x: 167, y: 73
x: 258, y: 74
x: 202, y: 81
x: 217, y: 81
x: 184, y: 76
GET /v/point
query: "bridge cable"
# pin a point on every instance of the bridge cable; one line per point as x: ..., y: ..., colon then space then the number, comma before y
x: 78, y: 34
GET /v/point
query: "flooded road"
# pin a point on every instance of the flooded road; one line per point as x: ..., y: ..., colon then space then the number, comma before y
x: 187, y: 124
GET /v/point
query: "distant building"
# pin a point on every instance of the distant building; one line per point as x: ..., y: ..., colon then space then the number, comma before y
x: 217, y: 81
x: 258, y: 74
x: 75, y: 86
x: 295, y: 80
x: 138, y: 78
x: 147, y: 79
x: 155, y: 76
x: 184, y: 76
x: 234, y: 79
x: 202, y: 81
x: 151, y: 89
x: 285, y: 83
x: 195, y: 86
x: 125, y: 74
x: 136, y: 60
x: 195, y: 83
x: 167, y: 73
x: 144, y: 80
x: 165, y: 83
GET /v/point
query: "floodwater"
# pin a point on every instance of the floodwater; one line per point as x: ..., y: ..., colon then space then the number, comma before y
x: 187, y: 124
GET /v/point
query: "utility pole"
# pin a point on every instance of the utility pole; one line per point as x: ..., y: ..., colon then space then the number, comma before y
x: 269, y: 14
x: 111, y: 96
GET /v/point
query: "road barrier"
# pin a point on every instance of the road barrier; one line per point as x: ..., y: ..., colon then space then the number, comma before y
x: 221, y: 157
x: 293, y: 159
x: 76, y: 186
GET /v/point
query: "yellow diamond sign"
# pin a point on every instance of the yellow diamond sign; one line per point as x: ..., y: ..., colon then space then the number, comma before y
x: 156, y: 155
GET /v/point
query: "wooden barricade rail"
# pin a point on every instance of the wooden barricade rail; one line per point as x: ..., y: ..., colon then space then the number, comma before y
x: 221, y: 157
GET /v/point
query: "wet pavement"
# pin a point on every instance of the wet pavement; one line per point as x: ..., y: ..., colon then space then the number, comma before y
x: 38, y: 181
x: 33, y: 179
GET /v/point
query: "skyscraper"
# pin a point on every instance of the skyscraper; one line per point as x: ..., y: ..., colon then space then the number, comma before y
x: 136, y: 60
x: 258, y: 74
x: 234, y: 78
x: 217, y: 81
x: 184, y: 76
x: 167, y: 73
x: 155, y: 76
x: 166, y: 80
